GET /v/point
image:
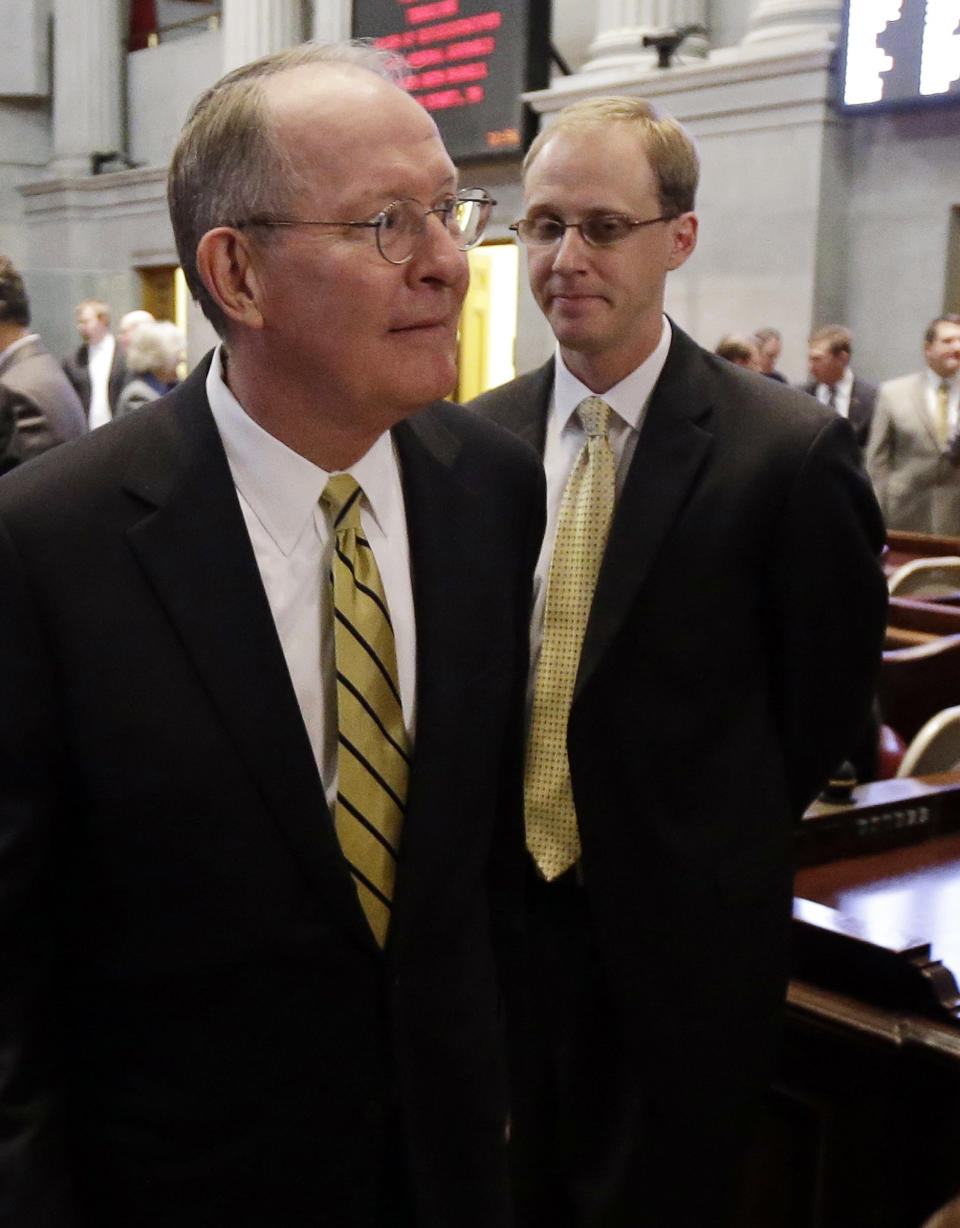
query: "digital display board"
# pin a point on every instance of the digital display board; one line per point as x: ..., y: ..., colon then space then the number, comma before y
x: 899, y: 53
x: 469, y: 61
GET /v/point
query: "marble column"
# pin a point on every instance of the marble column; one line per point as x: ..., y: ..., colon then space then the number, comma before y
x: 331, y: 20
x: 809, y: 21
x: 621, y: 25
x: 252, y: 28
x: 87, y: 50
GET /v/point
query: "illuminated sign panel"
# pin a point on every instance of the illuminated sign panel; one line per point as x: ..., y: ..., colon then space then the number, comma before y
x: 899, y: 53
x: 469, y: 61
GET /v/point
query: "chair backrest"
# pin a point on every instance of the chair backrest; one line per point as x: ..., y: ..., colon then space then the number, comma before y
x: 936, y: 748
x: 926, y: 577
x: 916, y: 683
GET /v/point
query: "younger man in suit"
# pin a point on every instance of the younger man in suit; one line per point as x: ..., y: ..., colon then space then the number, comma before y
x: 263, y: 647
x: 707, y: 627
x: 913, y: 452
x: 97, y: 368
x: 833, y: 382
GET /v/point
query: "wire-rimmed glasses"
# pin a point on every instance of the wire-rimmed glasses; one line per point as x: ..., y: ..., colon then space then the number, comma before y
x: 401, y: 225
x: 597, y: 230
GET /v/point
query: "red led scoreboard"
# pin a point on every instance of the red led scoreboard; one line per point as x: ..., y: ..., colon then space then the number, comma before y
x: 468, y: 62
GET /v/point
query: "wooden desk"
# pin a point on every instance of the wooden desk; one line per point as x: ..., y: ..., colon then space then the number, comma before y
x: 902, y: 547
x: 862, y: 1122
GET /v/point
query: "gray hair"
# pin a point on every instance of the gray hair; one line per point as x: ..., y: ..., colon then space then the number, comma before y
x: 228, y: 165
x: 155, y: 345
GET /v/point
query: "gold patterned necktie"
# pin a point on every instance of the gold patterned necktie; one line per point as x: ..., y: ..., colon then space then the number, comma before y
x: 943, y: 413
x: 372, y: 748
x: 586, y: 510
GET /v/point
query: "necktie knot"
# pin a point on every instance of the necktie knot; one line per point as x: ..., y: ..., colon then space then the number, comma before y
x: 594, y: 413
x: 342, y: 496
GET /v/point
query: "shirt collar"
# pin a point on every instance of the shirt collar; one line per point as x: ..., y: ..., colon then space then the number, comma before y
x: 844, y: 384
x: 934, y: 381
x: 628, y: 399
x: 282, y: 487
x: 103, y: 346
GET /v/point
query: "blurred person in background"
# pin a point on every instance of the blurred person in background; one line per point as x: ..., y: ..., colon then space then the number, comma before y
x: 129, y: 324
x: 770, y: 343
x: 743, y: 351
x: 833, y: 382
x: 97, y: 368
x: 155, y: 351
x: 913, y: 450
x: 46, y: 408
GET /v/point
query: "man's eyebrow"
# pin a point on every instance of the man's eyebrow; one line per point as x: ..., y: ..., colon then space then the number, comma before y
x: 378, y: 200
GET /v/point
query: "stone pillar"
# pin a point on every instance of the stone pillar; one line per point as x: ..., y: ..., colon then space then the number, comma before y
x: 809, y: 21
x: 87, y: 51
x: 252, y: 28
x: 331, y: 20
x: 621, y: 25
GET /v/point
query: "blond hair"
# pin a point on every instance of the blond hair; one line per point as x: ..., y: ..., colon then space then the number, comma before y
x: 667, y: 146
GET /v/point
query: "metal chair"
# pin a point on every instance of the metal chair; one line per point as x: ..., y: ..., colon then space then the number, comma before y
x: 931, y: 577
x: 936, y: 748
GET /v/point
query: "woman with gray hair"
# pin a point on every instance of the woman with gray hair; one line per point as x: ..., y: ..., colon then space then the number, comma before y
x: 156, y: 349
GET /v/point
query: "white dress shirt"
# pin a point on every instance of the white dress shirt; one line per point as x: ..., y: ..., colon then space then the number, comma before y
x: 565, y: 437
x: 279, y: 493
x: 99, y: 362
x: 842, y: 394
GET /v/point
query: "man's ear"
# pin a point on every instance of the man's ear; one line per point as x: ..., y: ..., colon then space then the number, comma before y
x: 683, y: 232
x: 228, y: 270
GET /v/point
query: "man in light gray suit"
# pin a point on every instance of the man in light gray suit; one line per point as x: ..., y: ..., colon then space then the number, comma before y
x: 45, y: 406
x: 913, y: 456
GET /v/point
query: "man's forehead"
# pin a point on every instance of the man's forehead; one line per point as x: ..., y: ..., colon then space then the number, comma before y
x: 619, y: 165
x: 341, y: 118
x: 342, y: 98
x: 947, y: 332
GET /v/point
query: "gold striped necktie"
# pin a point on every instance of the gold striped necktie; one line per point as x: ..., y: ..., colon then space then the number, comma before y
x: 586, y: 510
x: 372, y: 749
x: 943, y: 412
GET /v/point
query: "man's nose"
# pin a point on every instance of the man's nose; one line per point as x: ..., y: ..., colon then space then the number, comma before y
x: 571, y: 248
x: 436, y: 254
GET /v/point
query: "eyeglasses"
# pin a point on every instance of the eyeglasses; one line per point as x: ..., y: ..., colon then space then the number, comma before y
x: 400, y: 227
x: 598, y: 230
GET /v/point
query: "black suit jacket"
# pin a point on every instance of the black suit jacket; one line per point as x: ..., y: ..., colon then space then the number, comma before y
x: 78, y: 373
x: 196, y: 1025
x: 728, y: 662
x: 863, y: 400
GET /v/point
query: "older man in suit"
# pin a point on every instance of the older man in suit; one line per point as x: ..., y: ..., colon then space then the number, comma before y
x: 47, y: 409
x: 707, y: 629
x: 833, y: 382
x: 263, y: 648
x: 913, y: 453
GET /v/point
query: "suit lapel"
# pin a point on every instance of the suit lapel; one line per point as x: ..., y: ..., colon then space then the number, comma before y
x: 672, y: 447
x: 525, y: 413
x: 922, y: 410
x: 194, y: 547
x: 447, y: 594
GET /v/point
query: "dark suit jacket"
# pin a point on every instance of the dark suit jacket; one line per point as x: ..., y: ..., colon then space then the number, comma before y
x: 728, y: 662
x: 77, y: 372
x: 196, y: 1025
x: 47, y: 407
x: 863, y: 399
x: 9, y: 441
